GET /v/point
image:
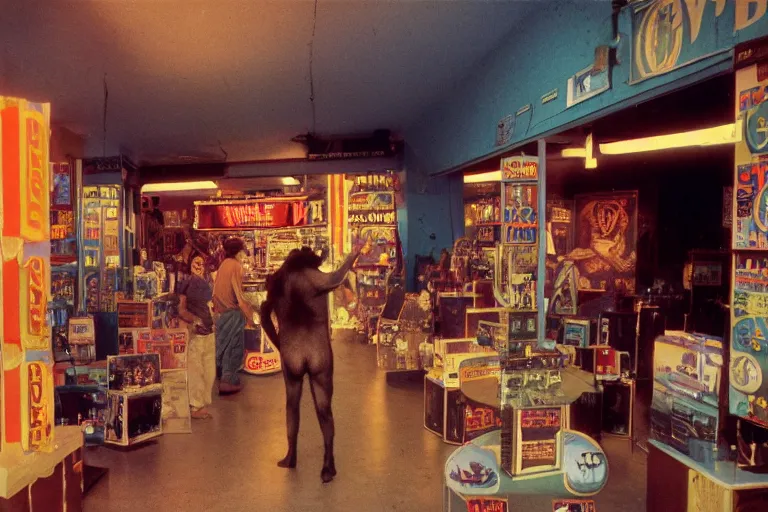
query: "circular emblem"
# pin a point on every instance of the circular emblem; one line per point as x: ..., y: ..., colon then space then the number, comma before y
x: 746, y: 375
x: 659, y: 38
x: 756, y: 128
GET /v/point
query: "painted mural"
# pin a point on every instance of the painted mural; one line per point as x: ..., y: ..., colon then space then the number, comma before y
x: 749, y: 341
x: 669, y: 34
x: 605, y: 255
x: 751, y: 214
x: 27, y: 378
x: 748, y: 388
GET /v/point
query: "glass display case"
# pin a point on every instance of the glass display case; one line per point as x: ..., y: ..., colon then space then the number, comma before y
x: 106, y: 238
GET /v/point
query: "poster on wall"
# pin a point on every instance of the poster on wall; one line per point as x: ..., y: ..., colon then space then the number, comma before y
x: 751, y: 195
x: 520, y: 222
x: 586, y: 84
x: 379, y: 245
x: 62, y: 184
x: 670, y: 34
x: 605, y: 255
x: 749, y: 345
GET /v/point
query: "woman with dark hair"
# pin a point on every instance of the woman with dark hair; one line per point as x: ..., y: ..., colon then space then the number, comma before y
x: 233, y: 313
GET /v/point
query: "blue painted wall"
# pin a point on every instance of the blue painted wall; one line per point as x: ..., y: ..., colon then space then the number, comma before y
x: 539, y: 55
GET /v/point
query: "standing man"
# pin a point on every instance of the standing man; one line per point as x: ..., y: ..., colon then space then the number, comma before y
x: 233, y: 313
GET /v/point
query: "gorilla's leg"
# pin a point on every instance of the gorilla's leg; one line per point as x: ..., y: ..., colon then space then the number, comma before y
x: 321, y: 384
x: 293, y: 385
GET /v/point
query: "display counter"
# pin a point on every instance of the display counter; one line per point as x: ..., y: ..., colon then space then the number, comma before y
x: 475, y: 470
x: 678, y: 483
x: 36, y: 481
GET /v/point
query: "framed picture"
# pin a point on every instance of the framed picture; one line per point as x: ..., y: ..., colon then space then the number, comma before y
x: 576, y: 332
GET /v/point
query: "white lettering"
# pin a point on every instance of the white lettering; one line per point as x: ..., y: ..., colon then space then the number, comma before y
x: 743, y: 18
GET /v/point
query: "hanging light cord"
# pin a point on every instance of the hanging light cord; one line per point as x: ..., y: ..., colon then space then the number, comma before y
x: 106, y: 98
x: 311, y: 66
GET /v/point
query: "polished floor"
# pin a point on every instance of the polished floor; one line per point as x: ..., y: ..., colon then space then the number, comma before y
x: 385, y: 458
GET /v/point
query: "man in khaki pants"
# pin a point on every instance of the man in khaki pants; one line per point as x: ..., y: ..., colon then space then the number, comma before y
x: 195, y: 294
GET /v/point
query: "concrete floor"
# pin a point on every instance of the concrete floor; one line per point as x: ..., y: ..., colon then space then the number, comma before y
x: 386, y: 460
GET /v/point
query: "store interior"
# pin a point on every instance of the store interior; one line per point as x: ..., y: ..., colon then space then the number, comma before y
x: 636, y: 258
x: 594, y: 338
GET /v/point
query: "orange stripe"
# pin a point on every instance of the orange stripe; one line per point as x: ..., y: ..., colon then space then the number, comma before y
x: 12, y: 405
x: 11, y: 302
x: 11, y: 171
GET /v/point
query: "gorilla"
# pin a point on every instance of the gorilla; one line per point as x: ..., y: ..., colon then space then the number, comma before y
x: 297, y: 293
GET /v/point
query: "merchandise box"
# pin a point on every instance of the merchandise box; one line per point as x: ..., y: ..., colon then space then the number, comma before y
x: 686, y: 394
x: 134, y: 417
x: 531, y: 439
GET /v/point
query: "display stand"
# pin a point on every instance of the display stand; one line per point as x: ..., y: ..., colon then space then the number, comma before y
x: 445, y: 407
x: 677, y: 483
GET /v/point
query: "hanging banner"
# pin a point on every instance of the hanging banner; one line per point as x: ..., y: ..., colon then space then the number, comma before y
x: 250, y: 213
x: 670, y: 34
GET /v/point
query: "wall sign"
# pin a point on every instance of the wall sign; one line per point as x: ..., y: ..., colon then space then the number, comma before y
x: 250, y: 213
x: 520, y: 168
x: 667, y: 34
x: 586, y: 84
x: 550, y: 96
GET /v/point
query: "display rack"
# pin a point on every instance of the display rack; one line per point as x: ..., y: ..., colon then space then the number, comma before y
x: 106, y: 234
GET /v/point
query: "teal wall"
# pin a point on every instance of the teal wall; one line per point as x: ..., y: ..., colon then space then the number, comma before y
x: 539, y: 55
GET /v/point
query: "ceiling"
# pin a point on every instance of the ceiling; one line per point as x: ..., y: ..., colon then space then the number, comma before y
x: 208, y: 79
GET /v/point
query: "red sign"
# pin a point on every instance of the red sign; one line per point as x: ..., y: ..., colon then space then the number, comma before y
x: 261, y: 363
x: 250, y: 214
x: 486, y: 505
x: 520, y: 168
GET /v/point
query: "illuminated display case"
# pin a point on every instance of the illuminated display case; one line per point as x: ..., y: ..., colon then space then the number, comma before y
x: 106, y: 234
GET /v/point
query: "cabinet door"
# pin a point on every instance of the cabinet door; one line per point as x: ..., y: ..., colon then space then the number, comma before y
x: 704, y: 495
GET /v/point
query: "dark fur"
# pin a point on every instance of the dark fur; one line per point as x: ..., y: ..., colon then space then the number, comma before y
x: 306, y: 349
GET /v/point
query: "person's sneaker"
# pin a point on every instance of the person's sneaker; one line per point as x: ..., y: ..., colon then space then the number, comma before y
x: 225, y: 388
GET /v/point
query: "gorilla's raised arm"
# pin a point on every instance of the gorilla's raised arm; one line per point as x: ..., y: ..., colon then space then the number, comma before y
x: 325, y: 283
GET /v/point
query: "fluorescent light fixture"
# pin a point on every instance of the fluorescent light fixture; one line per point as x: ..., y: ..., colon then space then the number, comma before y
x: 725, y: 134
x: 483, y: 177
x: 178, y: 186
x: 290, y: 182
x: 587, y: 152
